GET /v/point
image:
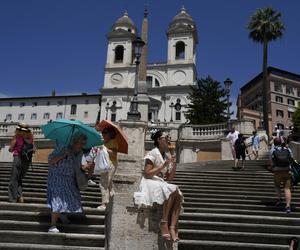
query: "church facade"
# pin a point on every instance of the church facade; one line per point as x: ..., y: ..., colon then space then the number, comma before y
x: 164, y: 86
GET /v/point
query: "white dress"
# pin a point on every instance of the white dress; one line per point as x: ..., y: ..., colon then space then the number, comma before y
x: 154, y: 190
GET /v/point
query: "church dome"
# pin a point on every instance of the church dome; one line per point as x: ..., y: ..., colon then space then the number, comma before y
x: 182, y: 18
x: 124, y: 23
x: 183, y: 23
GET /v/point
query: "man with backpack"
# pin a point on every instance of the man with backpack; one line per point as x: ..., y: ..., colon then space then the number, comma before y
x: 280, y: 160
x: 22, y: 148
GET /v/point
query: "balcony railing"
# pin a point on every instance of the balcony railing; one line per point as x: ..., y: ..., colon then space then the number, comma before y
x: 202, y: 132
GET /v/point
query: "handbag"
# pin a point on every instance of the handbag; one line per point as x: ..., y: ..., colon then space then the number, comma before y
x: 102, y: 161
x: 81, y: 178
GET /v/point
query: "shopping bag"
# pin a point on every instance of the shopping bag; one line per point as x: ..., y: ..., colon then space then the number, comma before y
x: 102, y: 161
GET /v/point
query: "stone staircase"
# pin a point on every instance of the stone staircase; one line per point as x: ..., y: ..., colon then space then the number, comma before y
x: 226, y: 209
x: 24, y: 226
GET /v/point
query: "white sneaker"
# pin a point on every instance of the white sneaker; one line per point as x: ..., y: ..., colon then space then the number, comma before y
x: 102, y: 207
x: 53, y: 229
x: 91, y: 182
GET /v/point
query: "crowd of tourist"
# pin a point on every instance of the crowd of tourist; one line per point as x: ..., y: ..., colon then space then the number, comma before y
x: 63, y: 189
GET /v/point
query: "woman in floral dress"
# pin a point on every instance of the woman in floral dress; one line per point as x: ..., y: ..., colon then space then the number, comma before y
x: 63, y: 195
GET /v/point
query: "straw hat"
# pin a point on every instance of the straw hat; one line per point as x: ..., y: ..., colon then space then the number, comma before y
x: 23, y: 127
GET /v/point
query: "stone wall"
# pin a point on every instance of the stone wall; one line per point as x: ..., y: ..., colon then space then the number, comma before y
x: 295, y: 147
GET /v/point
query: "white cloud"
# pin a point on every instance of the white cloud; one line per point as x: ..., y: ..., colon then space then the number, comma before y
x: 3, y: 95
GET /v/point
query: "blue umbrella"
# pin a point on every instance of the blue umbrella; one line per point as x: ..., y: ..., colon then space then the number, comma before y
x: 62, y: 131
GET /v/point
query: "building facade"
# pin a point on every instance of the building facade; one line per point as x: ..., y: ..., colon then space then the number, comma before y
x: 164, y: 86
x: 283, y: 92
x: 39, y: 110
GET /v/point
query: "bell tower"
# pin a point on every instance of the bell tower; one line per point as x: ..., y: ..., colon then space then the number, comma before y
x: 119, y: 53
x: 182, y: 39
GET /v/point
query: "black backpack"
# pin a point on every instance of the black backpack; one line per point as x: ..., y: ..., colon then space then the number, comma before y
x: 281, y: 157
x: 27, y: 151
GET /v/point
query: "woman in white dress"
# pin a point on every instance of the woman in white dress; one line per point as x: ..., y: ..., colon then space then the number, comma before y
x: 159, y: 168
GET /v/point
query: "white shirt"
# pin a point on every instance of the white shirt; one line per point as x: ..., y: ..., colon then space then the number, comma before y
x: 233, y: 136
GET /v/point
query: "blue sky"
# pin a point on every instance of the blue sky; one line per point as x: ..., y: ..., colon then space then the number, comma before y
x: 61, y: 44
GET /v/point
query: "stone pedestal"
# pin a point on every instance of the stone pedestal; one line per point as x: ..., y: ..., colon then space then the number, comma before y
x: 136, y: 132
x: 226, y: 150
x: 130, y: 228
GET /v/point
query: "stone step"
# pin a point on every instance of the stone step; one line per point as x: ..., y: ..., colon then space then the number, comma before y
x: 285, y: 219
x: 194, y: 201
x: 259, y: 196
x: 84, y: 197
x: 36, y: 207
x: 203, y: 187
x: 221, y: 210
x: 22, y: 246
x: 220, y: 184
x: 225, y: 236
x: 38, y: 226
x: 238, y: 227
x: 45, y: 217
x: 31, y: 237
x: 93, y: 204
x: 245, y: 191
x: 84, y: 232
x: 89, y: 192
x: 231, y: 206
x: 221, y: 245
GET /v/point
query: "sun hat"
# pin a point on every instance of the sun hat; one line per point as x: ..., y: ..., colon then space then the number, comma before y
x: 23, y: 127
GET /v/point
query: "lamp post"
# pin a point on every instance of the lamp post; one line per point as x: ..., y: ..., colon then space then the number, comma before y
x: 133, y: 113
x: 227, y: 84
x: 107, y: 108
x: 172, y: 106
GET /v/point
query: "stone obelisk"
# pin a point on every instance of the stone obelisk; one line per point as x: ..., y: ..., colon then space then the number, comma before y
x: 143, y: 99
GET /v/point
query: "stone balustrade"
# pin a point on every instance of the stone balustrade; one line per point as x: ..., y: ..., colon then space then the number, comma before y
x: 202, y: 132
x: 8, y: 130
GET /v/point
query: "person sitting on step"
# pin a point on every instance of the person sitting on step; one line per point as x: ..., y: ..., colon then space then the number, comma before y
x: 158, y: 169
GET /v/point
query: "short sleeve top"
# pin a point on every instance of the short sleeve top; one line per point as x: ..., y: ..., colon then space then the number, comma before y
x: 155, y: 157
x: 113, y: 144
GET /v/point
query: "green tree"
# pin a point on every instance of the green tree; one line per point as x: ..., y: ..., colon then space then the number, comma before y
x: 208, y: 102
x: 265, y: 26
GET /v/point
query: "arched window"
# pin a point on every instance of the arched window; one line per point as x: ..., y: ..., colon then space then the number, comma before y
x: 119, y: 54
x: 152, y: 82
x: 180, y: 50
x: 149, y: 81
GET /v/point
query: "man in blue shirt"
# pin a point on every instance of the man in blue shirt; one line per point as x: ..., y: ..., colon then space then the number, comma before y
x: 255, y: 144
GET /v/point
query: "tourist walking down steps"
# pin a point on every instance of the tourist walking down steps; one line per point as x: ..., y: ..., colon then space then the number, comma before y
x: 63, y: 195
x: 22, y: 148
x: 232, y: 136
x: 154, y: 188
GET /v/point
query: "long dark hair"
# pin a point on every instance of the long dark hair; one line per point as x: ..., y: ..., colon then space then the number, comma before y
x: 155, y: 137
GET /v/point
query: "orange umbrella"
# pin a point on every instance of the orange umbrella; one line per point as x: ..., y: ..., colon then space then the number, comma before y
x: 121, y: 138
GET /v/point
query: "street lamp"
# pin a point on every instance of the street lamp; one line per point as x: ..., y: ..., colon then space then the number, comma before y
x: 107, y: 108
x: 134, y: 114
x: 227, y: 84
x: 171, y: 106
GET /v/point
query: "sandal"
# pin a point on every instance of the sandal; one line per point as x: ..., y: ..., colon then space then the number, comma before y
x: 176, y: 238
x: 165, y: 236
